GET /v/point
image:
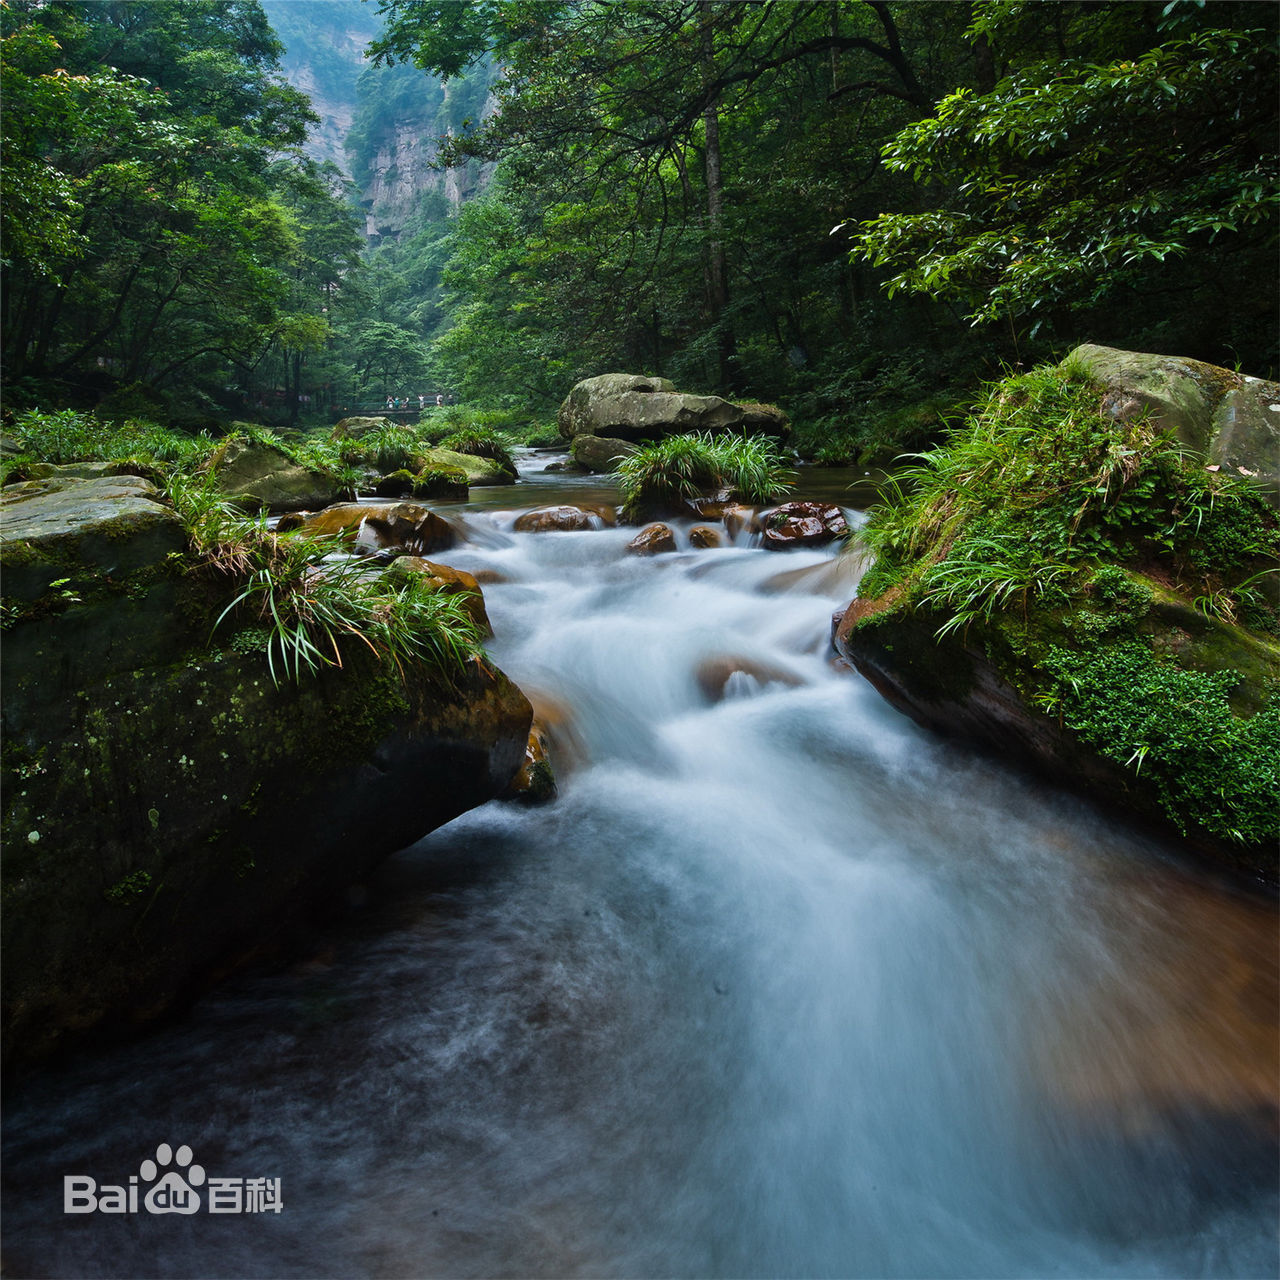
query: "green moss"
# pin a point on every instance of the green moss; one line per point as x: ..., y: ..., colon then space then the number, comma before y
x: 1214, y: 770
x: 130, y: 889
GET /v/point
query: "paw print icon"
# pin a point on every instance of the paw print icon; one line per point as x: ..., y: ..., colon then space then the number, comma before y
x: 175, y: 1192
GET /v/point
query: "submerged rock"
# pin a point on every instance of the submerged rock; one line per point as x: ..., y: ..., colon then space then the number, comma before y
x: 704, y: 536
x: 536, y: 781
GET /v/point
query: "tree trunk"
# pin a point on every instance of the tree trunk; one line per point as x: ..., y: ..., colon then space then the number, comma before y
x: 716, y: 274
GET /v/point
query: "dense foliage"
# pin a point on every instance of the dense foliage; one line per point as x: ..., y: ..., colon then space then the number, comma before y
x: 1081, y: 548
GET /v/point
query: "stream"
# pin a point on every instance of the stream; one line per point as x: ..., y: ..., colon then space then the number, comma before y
x: 780, y: 985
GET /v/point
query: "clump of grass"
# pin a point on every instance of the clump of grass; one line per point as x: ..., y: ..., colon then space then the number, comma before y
x: 68, y: 436
x: 1038, y: 482
x: 310, y: 609
x: 661, y: 476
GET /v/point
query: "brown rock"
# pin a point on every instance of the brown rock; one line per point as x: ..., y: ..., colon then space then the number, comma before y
x: 397, y: 526
x: 553, y: 519
x: 702, y: 535
x: 652, y: 540
x: 713, y: 675
x: 536, y: 781
x: 450, y: 581
x: 737, y: 518
x: 803, y: 524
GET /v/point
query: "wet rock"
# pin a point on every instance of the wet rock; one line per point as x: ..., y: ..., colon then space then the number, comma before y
x: 738, y: 519
x: 487, y: 576
x: 723, y: 677
x: 803, y: 524
x: 652, y: 540
x: 370, y: 528
x: 553, y: 519
x: 535, y: 783
x: 703, y: 536
x: 399, y: 484
x: 167, y: 806
x: 710, y: 506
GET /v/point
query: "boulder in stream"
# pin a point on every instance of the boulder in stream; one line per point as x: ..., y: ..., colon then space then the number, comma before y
x: 168, y: 806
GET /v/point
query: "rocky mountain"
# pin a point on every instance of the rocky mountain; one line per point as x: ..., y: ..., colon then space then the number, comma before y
x: 380, y: 125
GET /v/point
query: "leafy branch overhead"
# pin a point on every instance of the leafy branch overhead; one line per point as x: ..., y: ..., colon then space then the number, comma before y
x: 1071, y: 179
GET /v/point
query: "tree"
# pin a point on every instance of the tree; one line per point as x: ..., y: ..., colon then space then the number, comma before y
x: 1077, y: 184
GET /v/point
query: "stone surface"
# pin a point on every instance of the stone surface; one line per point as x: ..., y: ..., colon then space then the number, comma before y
x: 653, y: 540
x: 535, y: 783
x: 553, y: 519
x: 734, y: 675
x: 355, y: 427
x: 803, y: 524
x: 478, y: 471
x: 260, y: 477
x: 374, y: 527
x: 56, y: 528
x: 599, y: 454
x: 1230, y: 418
x: 632, y: 408
x: 703, y: 537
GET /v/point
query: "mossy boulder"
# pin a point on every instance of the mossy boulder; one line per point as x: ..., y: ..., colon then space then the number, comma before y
x: 1062, y: 585
x: 69, y: 528
x: 354, y: 428
x: 167, y: 806
x: 261, y: 477
x: 1232, y: 419
x: 477, y: 470
x: 632, y: 408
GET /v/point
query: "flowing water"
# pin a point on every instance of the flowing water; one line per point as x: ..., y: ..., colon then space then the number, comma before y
x: 779, y: 986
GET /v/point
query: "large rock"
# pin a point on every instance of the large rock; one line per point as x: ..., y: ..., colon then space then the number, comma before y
x: 167, y: 807
x: 599, y: 453
x: 1230, y: 418
x: 354, y: 428
x: 632, y: 408
x: 478, y: 470
x: 390, y: 526
x: 653, y: 540
x: 261, y: 477
x: 64, y: 527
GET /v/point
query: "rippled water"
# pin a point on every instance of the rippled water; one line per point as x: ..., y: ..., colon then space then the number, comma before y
x: 780, y: 985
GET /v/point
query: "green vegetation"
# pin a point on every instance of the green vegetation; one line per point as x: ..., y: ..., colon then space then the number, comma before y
x: 1101, y: 569
x: 661, y: 476
x: 309, y: 609
x: 1038, y: 484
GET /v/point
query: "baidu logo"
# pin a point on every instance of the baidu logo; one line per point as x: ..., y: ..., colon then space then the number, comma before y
x: 171, y: 1183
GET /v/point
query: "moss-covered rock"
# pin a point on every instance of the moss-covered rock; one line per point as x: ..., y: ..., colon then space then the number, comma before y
x: 1232, y: 419
x: 261, y: 477
x: 390, y: 526
x: 449, y: 581
x: 477, y: 470
x: 167, y: 806
x: 1062, y: 585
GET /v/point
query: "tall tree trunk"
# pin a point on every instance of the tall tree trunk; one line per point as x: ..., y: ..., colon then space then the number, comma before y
x: 716, y: 274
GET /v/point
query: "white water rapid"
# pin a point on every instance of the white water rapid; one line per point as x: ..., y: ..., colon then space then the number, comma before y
x: 780, y: 985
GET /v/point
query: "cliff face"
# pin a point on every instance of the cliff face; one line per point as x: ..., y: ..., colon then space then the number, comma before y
x: 393, y: 143
x: 324, y: 44
x: 380, y: 125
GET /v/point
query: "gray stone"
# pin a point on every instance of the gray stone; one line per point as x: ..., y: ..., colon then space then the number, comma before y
x: 599, y: 453
x: 1232, y: 420
x: 261, y: 477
